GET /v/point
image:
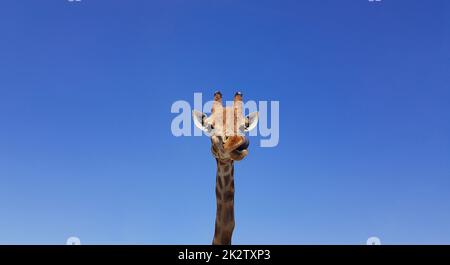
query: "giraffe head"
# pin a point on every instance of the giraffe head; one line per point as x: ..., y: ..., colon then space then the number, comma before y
x: 226, y: 127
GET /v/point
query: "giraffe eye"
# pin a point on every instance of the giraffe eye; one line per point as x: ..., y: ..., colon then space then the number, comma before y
x: 210, y: 126
x: 242, y: 129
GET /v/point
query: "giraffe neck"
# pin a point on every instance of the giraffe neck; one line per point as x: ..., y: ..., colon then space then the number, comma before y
x: 225, y: 203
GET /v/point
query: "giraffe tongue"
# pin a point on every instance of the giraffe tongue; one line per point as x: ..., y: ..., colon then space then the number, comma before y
x: 244, y: 145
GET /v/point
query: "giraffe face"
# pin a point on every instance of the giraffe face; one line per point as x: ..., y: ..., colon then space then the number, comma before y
x: 227, y: 127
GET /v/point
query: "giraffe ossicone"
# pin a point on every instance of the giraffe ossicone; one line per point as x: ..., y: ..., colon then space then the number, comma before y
x: 226, y: 126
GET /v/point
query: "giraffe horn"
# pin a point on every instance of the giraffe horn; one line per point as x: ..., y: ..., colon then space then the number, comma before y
x: 218, y: 96
x: 238, y: 96
x: 217, y: 101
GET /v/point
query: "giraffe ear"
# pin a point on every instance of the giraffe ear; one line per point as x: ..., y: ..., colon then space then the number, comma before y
x: 251, y: 121
x: 199, y: 120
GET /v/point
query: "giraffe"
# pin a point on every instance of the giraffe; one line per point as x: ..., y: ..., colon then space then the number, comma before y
x: 226, y: 126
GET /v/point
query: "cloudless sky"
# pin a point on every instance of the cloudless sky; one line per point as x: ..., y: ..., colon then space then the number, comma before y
x: 86, y: 148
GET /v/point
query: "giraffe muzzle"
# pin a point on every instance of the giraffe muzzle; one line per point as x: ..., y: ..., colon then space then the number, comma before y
x: 244, y: 145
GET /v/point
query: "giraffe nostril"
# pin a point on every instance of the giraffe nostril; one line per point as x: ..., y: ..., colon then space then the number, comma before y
x: 244, y: 145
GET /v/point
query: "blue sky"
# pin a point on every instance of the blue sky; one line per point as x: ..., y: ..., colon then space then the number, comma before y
x: 86, y: 148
